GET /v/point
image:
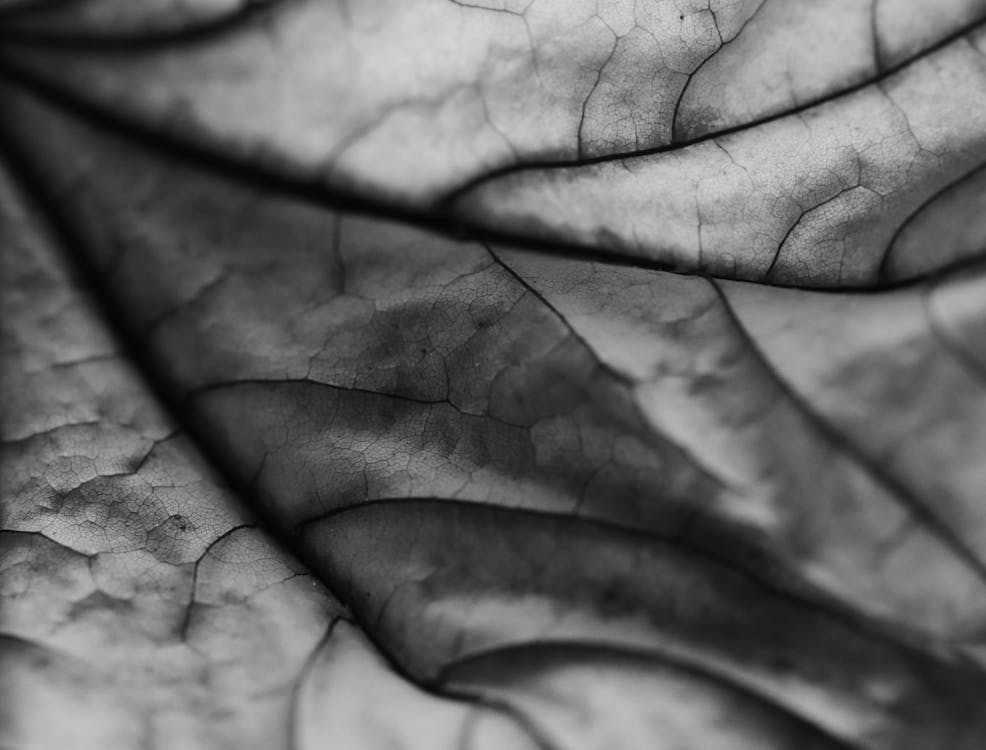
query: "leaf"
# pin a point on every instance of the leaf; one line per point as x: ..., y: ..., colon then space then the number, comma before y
x: 349, y: 698
x: 139, y: 600
x: 815, y: 198
x: 408, y: 299
x: 476, y: 580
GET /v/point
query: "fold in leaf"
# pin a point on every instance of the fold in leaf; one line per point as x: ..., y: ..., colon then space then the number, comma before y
x: 138, y: 604
x: 404, y: 101
x: 591, y: 698
x: 444, y: 581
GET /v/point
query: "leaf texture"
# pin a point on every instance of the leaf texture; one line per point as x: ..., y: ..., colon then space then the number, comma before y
x: 142, y: 605
x: 415, y: 301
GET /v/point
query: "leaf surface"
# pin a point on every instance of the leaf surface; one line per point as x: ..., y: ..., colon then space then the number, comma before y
x: 142, y: 606
x: 405, y: 310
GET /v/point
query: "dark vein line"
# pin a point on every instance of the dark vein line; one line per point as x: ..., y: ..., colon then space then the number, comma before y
x: 884, y: 267
x: 311, y: 191
x: 251, y: 9
x: 459, y: 192
x: 730, y: 552
x: 720, y: 48
x: 193, y: 393
x: 624, y: 380
x: 111, y: 315
x: 896, y: 489
x: 519, y: 718
x: 186, y: 620
x: 441, y: 220
x: 299, y: 683
x: 16, y: 440
x: 427, y: 687
x: 620, y: 377
x: 580, y: 139
x: 662, y: 656
x: 797, y: 222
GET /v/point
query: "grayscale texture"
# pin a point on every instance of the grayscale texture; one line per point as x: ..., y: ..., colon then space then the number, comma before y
x: 504, y: 375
